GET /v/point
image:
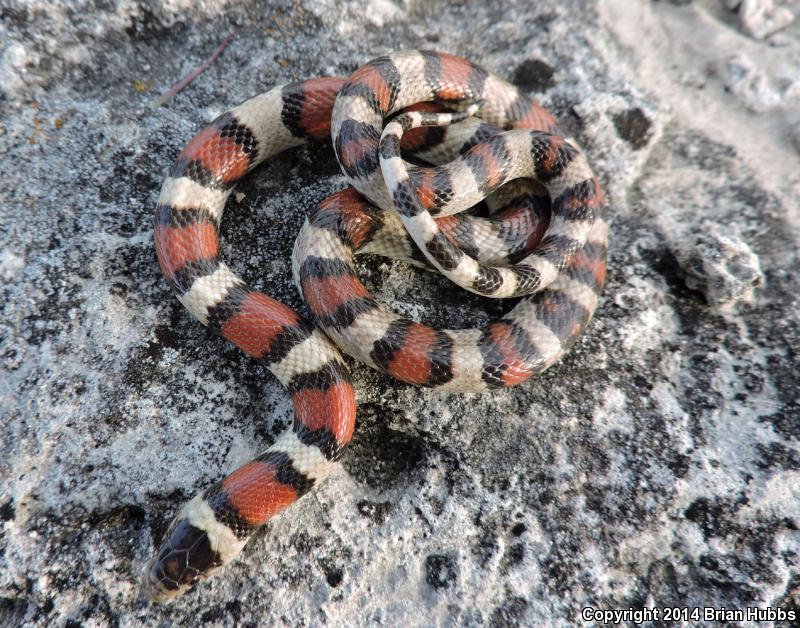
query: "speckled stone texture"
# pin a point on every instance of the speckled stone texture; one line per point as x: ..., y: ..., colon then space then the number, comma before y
x: 657, y: 465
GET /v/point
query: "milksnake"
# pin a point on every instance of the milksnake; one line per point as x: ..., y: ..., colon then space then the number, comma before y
x: 545, y: 242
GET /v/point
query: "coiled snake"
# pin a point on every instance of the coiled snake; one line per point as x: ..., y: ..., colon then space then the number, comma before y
x: 546, y: 243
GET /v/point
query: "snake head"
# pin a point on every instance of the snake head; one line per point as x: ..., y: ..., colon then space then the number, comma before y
x: 195, y: 546
x: 184, y: 557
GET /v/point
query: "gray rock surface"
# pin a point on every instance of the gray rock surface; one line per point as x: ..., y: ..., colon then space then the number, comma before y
x: 762, y: 18
x: 657, y: 465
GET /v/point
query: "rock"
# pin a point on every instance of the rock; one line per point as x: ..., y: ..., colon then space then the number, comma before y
x: 720, y: 265
x: 534, y: 75
x: 382, y: 12
x: 761, y: 18
x: 750, y: 84
x: 14, y: 60
x: 794, y: 129
x: 633, y: 126
x: 656, y: 465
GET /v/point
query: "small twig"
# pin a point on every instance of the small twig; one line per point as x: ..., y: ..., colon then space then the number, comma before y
x: 167, y: 95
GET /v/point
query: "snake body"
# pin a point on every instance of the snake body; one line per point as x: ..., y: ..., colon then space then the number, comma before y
x: 547, y: 244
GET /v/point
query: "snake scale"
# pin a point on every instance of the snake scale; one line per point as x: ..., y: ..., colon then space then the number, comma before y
x: 467, y: 137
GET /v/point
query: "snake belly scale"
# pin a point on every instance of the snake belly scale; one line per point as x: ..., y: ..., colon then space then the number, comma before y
x: 545, y: 241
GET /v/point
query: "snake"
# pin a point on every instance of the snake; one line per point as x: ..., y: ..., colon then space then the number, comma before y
x: 450, y: 168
